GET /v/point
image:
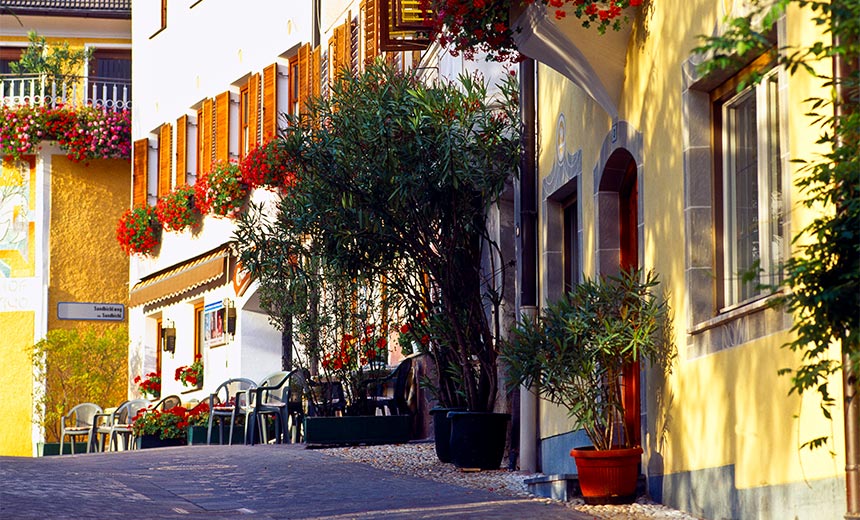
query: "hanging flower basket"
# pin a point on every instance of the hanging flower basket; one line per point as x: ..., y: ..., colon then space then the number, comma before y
x: 269, y: 166
x: 176, y: 210
x: 221, y: 191
x: 468, y: 27
x: 139, y: 230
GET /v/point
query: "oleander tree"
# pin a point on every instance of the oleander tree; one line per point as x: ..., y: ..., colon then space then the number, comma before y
x: 394, y: 182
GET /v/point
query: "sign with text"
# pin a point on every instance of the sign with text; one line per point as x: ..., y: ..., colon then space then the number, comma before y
x: 90, y: 311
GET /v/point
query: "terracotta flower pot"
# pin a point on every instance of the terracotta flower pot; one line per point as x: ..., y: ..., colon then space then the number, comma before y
x: 607, y: 476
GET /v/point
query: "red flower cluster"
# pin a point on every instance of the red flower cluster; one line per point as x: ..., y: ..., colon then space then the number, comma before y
x: 358, y: 350
x: 83, y: 133
x: 268, y: 165
x: 169, y: 424
x: 191, y: 375
x: 138, y: 230
x: 176, y: 210
x: 151, y: 385
x: 471, y: 26
x: 221, y: 190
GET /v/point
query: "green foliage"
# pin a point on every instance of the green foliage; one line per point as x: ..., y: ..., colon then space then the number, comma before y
x: 823, y: 277
x: 57, y: 61
x: 78, y: 366
x: 394, y: 179
x: 574, y: 354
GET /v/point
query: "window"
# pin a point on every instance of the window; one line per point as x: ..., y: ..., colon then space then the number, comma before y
x: 570, y: 254
x: 163, y: 17
x: 750, y: 216
x: 198, y: 329
x: 110, y: 74
x: 7, y: 56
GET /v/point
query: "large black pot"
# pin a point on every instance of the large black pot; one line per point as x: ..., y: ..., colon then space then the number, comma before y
x: 478, y: 439
x: 442, y: 431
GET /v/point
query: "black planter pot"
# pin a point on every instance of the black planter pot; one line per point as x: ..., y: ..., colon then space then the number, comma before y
x: 442, y: 431
x: 478, y: 439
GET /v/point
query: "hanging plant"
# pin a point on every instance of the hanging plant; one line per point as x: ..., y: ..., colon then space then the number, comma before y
x: 176, y: 210
x: 84, y: 133
x: 139, y: 230
x: 221, y: 191
x: 268, y: 165
x: 470, y: 26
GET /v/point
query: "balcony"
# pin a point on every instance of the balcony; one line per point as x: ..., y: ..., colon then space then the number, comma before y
x: 71, y: 91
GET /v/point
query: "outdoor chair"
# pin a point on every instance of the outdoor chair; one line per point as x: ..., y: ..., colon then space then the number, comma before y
x: 269, y: 399
x: 118, y: 424
x: 390, y: 394
x: 167, y: 403
x: 78, y: 422
x: 228, y: 398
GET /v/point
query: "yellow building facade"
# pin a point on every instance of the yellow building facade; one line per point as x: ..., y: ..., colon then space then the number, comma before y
x: 638, y: 165
x: 58, y: 255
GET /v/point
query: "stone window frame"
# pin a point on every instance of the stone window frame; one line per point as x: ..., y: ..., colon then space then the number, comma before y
x: 710, y: 329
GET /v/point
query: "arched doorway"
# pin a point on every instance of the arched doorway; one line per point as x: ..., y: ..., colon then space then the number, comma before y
x: 618, y: 250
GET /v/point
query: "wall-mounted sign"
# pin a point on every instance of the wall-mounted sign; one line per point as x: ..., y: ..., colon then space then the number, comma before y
x: 90, y: 311
x: 214, y: 333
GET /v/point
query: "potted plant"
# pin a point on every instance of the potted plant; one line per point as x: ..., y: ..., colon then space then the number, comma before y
x: 191, y: 376
x: 268, y: 165
x: 156, y: 428
x: 575, y: 354
x: 176, y: 210
x: 471, y: 26
x: 221, y: 190
x: 149, y: 385
x: 138, y: 230
x: 198, y: 425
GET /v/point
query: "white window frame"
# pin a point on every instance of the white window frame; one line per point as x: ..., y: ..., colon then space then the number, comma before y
x: 771, y: 241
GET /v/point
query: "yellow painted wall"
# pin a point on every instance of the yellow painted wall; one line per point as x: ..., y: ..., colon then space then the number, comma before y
x: 87, y: 264
x: 16, y: 383
x: 731, y: 407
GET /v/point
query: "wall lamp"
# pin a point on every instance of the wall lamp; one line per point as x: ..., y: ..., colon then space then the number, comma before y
x: 168, y: 336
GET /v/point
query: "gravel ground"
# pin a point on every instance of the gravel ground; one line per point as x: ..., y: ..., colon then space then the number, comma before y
x: 419, y: 459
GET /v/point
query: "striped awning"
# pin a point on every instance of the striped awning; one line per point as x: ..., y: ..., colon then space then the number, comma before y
x: 180, y: 278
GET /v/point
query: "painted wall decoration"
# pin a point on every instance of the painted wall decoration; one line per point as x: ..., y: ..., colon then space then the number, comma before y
x: 17, y: 218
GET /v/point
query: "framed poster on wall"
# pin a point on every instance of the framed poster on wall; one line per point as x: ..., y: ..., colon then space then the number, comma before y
x: 214, y: 331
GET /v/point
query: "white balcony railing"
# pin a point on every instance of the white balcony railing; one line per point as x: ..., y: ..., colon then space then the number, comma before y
x: 40, y: 90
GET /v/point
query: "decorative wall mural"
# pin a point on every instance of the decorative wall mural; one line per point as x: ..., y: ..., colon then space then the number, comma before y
x: 17, y: 218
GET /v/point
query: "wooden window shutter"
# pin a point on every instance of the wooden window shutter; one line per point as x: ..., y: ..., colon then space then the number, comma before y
x: 370, y: 37
x: 254, y: 111
x: 204, y: 137
x: 140, y: 160
x: 340, y: 55
x: 316, y: 71
x: 304, y: 76
x: 222, y: 127
x: 165, y: 158
x: 181, y: 157
x: 270, y: 102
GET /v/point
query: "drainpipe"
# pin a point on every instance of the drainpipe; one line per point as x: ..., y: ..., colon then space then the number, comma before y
x: 844, y: 68
x: 528, y: 255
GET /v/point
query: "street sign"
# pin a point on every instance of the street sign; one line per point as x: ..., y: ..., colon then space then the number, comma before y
x: 90, y: 311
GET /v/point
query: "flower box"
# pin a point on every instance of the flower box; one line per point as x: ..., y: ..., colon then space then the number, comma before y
x: 53, y: 448
x: 197, y: 435
x: 153, y: 441
x: 360, y: 429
